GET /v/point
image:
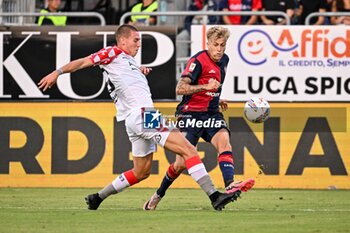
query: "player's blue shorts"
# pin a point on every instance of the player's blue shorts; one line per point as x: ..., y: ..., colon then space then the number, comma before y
x: 201, y: 125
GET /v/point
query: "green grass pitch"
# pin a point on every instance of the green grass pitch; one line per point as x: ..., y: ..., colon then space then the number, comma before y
x: 182, y: 210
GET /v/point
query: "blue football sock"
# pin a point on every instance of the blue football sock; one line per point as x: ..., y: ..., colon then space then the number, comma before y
x: 226, y: 164
x: 168, y: 179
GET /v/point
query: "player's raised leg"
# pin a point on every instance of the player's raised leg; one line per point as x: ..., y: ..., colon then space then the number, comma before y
x: 178, y: 144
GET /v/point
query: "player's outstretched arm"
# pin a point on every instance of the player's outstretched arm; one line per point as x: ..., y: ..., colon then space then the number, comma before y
x: 49, y: 80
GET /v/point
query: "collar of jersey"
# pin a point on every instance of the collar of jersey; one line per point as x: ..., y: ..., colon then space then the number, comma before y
x: 123, y: 50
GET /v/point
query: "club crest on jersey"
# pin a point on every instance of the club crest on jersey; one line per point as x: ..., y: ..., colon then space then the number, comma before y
x: 158, y: 137
x: 192, y: 66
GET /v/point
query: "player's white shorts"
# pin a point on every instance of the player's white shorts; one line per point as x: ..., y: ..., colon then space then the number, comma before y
x: 144, y: 141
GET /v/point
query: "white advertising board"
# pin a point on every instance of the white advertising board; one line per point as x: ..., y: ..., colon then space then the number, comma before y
x: 284, y: 63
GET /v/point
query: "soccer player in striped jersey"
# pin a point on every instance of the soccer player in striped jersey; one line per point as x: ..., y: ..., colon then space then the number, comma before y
x: 131, y: 94
x: 200, y: 105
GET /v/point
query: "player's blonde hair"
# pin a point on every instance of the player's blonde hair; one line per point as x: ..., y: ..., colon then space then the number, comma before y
x: 218, y: 32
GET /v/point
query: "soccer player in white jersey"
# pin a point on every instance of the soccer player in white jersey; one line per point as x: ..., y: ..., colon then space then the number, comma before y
x: 129, y: 89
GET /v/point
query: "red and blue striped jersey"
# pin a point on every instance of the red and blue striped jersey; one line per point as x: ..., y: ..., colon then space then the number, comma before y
x: 200, y: 69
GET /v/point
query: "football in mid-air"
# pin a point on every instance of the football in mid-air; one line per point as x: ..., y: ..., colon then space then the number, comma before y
x: 257, y: 110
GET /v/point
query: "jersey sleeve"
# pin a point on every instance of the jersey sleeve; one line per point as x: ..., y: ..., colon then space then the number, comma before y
x: 105, y: 55
x: 193, y: 70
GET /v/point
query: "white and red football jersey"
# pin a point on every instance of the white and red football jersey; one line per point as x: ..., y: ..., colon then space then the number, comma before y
x: 127, y: 85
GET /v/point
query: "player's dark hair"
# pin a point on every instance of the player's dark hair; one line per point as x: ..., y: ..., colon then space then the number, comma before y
x: 124, y: 31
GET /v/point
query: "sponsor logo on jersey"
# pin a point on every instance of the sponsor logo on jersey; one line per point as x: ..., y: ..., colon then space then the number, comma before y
x: 212, y: 94
x: 192, y: 66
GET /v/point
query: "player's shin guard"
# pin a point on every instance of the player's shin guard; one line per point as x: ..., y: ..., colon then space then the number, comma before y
x: 168, y: 179
x: 226, y: 164
x: 125, y: 180
x: 198, y: 172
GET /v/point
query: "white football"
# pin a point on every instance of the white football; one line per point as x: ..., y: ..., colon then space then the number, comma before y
x: 257, y: 110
